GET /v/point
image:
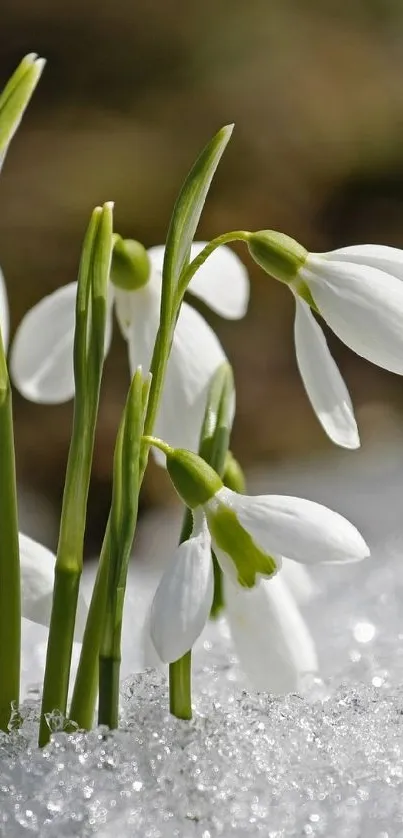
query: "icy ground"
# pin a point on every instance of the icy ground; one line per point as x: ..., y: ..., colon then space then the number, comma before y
x: 324, y: 763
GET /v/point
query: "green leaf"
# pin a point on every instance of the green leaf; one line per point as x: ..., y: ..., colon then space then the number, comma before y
x: 188, y: 208
x: 15, y: 97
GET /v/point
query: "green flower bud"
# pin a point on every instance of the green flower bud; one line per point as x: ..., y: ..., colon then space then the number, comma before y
x: 236, y: 542
x: 194, y: 480
x: 130, y: 269
x: 278, y: 254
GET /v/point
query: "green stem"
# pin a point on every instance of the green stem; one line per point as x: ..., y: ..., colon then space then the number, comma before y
x: 190, y: 270
x: 180, y: 671
x: 58, y: 657
x: 180, y: 687
x: 109, y: 680
x: 86, y: 684
x: 10, y: 596
x: 67, y: 573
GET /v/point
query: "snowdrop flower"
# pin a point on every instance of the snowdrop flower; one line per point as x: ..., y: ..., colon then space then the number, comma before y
x: 271, y: 638
x: 4, y: 318
x: 249, y: 535
x: 359, y: 293
x: 37, y: 580
x: 42, y: 353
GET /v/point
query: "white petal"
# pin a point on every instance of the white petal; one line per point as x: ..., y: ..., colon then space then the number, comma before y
x: 37, y: 579
x: 388, y: 259
x: 42, y: 353
x: 272, y: 641
x: 195, y: 355
x: 222, y: 282
x: 4, y: 317
x: 298, y: 580
x: 183, y: 599
x: 363, y: 306
x: 156, y: 255
x: 323, y: 383
x: 296, y: 528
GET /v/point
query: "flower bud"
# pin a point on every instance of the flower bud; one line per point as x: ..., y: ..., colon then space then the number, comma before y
x: 131, y: 266
x: 194, y: 480
x: 278, y: 254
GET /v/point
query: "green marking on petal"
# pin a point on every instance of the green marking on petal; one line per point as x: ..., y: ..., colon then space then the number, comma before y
x: 234, y: 540
x: 300, y: 287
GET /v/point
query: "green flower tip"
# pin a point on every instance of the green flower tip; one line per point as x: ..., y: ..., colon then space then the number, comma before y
x: 194, y: 480
x: 131, y: 266
x: 279, y: 255
x: 16, y: 95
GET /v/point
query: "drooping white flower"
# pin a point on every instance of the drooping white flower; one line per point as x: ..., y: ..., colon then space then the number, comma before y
x: 271, y: 639
x: 42, y: 354
x: 4, y: 316
x: 249, y: 535
x: 37, y: 579
x: 358, y: 291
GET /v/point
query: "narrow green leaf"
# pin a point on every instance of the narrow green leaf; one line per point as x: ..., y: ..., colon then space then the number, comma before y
x: 123, y: 519
x: 10, y: 596
x: 15, y: 97
x: 189, y: 206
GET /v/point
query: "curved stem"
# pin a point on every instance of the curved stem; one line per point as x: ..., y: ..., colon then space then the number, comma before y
x: 189, y: 272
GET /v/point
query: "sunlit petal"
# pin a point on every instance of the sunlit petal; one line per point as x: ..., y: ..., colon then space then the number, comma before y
x: 42, y: 352
x: 388, y: 259
x: 363, y: 306
x: 300, y: 529
x: 41, y: 361
x: 184, y: 596
x: 323, y: 383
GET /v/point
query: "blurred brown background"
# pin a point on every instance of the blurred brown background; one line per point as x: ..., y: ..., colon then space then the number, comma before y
x: 131, y: 93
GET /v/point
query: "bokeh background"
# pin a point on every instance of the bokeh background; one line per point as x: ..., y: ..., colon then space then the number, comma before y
x: 131, y: 93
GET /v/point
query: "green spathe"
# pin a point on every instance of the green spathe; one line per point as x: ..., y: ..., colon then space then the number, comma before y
x: 230, y: 536
x: 233, y: 476
x: 279, y: 255
x: 194, y: 480
x: 130, y: 269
